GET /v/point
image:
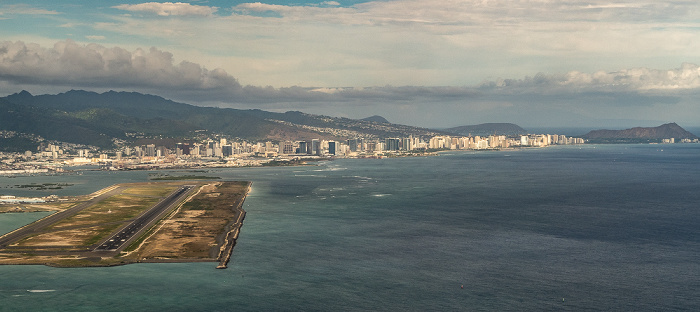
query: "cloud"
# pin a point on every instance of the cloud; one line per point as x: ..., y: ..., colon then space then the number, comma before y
x: 380, y: 42
x: 25, y: 10
x: 566, y: 98
x: 75, y: 65
x: 169, y: 9
x: 95, y: 37
x: 71, y: 64
x: 641, y: 79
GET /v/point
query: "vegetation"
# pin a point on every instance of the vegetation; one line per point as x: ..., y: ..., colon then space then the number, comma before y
x: 17, y: 144
x: 44, y: 186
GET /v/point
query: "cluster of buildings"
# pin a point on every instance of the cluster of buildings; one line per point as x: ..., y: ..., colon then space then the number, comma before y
x: 221, y: 152
x: 53, y: 157
x: 672, y: 140
x: 357, y: 147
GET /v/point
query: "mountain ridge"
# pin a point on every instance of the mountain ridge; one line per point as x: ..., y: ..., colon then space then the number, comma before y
x: 91, y: 118
x: 665, y: 131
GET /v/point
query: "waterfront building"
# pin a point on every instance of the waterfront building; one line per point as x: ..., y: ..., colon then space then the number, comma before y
x: 392, y: 144
x: 352, y: 145
x: 524, y: 140
x: 303, y: 149
x: 407, y: 144
x: 287, y: 147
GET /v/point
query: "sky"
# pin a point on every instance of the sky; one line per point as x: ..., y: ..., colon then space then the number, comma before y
x: 437, y: 63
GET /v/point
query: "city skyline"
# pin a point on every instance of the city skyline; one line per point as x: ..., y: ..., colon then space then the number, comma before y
x: 431, y: 64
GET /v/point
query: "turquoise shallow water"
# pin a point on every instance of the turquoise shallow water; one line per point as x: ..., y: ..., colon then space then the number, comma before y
x: 562, y: 228
x: 10, y: 221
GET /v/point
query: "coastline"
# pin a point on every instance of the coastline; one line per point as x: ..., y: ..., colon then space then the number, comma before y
x: 226, y: 250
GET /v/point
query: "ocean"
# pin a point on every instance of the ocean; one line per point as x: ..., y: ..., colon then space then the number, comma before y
x: 566, y: 228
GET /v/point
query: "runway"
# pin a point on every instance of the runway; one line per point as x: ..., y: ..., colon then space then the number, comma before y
x: 39, y: 225
x: 133, y: 230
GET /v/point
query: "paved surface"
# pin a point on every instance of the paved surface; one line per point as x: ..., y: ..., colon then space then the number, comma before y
x: 133, y: 230
x: 39, y: 225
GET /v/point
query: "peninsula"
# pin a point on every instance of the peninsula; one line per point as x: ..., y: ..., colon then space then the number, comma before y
x: 183, y: 221
x: 669, y: 131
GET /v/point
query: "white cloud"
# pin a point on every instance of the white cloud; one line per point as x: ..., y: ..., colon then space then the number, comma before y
x: 573, y: 98
x: 95, y: 37
x: 169, y: 9
x: 92, y: 65
x: 440, y: 42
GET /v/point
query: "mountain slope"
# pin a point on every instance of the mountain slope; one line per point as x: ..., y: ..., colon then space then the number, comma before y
x: 52, y: 125
x: 665, y: 131
x: 91, y: 118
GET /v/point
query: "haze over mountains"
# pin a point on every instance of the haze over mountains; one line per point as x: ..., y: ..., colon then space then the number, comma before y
x: 98, y: 119
x: 90, y: 118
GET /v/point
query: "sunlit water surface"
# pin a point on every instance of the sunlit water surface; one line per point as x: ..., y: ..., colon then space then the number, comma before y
x: 563, y: 228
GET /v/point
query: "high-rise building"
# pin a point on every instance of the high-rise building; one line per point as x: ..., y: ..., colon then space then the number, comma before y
x: 302, y: 147
x: 287, y: 147
x: 407, y: 144
x: 226, y: 150
x: 331, y: 147
x: 392, y: 144
x: 352, y: 145
x: 315, y: 147
x: 184, y: 148
x: 150, y: 150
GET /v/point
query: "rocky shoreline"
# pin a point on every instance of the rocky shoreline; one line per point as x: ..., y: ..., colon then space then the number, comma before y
x: 226, y: 249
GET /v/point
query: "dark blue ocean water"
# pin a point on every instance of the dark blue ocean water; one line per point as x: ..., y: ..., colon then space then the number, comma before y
x: 569, y: 228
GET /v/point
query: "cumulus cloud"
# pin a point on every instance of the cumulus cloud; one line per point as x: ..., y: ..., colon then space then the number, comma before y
x: 76, y: 65
x: 71, y: 64
x: 638, y: 92
x: 169, y: 9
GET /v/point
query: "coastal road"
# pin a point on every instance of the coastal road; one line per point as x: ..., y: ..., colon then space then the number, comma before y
x: 39, y: 225
x: 134, y: 229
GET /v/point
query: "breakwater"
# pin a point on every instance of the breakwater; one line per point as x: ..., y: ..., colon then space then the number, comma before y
x: 234, y: 229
